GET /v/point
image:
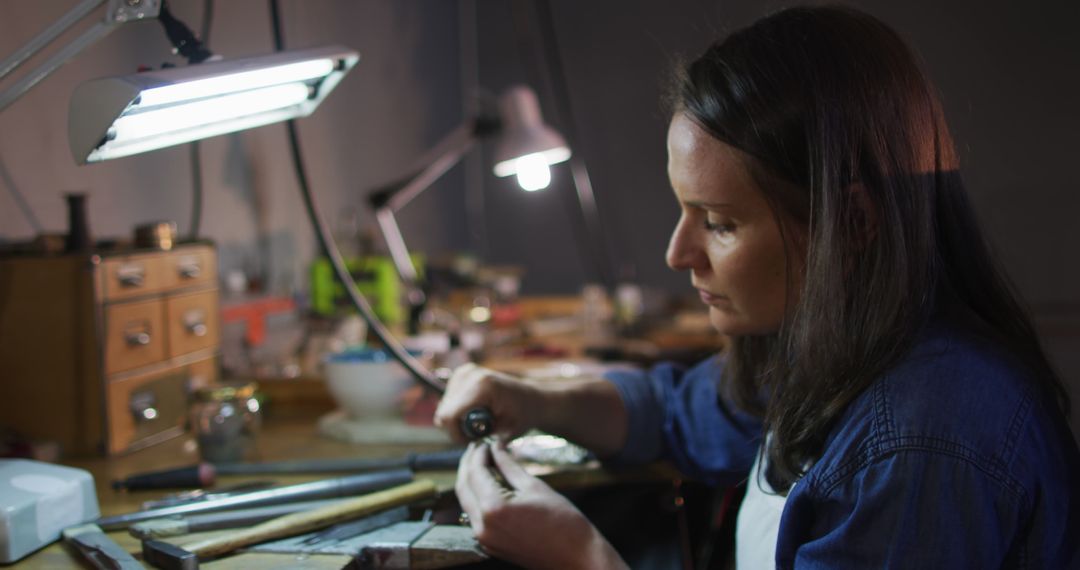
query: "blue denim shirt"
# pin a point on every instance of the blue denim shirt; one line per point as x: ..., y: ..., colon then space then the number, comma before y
x: 951, y: 460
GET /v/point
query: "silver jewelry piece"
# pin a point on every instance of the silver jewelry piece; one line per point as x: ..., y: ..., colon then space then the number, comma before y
x: 463, y: 519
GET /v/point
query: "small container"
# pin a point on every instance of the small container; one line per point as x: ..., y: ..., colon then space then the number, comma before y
x: 225, y: 420
x: 78, y: 236
x: 367, y: 382
x: 156, y: 235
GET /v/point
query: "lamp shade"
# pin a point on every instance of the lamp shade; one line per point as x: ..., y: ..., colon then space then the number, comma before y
x: 120, y: 116
x: 525, y: 139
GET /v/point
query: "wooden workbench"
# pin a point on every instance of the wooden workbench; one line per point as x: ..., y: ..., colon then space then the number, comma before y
x: 289, y: 433
x: 280, y: 439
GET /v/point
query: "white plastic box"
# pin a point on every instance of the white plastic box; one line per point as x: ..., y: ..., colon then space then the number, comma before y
x: 37, y: 501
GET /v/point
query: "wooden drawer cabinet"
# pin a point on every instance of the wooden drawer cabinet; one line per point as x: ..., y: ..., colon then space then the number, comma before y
x: 99, y: 352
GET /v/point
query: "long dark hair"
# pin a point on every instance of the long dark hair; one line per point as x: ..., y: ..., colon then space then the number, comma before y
x: 846, y: 139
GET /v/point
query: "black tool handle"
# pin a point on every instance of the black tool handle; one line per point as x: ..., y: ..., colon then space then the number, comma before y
x: 477, y: 423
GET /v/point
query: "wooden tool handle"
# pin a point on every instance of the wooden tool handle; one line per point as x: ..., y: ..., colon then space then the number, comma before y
x: 305, y: 521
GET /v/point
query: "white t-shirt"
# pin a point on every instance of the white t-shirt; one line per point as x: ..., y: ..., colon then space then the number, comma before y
x: 759, y: 522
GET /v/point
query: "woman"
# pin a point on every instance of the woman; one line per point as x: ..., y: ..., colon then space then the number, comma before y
x: 884, y: 390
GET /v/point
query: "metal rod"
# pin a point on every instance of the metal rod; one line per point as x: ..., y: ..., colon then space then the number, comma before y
x: 50, y: 65
x: 395, y: 243
x: 48, y: 35
x: 447, y: 153
x: 326, y: 488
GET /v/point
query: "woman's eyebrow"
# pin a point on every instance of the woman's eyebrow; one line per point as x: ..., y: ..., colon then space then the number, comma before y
x: 708, y: 205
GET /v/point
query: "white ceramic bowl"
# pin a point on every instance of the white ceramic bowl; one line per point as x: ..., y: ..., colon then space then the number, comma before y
x: 367, y: 383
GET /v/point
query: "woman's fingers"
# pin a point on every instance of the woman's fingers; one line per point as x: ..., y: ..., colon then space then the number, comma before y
x: 490, y: 493
x: 462, y: 393
x: 466, y: 498
x: 511, y: 470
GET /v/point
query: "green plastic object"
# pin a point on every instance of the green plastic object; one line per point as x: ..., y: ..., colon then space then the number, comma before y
x: 375, y: 277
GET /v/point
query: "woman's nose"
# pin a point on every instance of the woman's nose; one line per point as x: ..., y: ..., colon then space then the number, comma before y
x: 684, y: 252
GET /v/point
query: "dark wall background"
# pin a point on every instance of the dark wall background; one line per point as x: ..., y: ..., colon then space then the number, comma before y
x: 1008, y: 74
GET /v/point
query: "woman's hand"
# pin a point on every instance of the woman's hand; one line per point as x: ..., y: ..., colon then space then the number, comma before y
x: 514, y: 404
x: 521, y: 519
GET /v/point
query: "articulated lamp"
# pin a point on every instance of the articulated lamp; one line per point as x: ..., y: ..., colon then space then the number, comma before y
x: 525, y: 148
x: 120, y: 116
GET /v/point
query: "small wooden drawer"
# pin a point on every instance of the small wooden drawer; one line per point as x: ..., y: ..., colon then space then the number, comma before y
x: 146, y: 409
x: 191, y: 267
x: 134, y: 335
x: 134, y: 275
x: 193, y: 322
x: 203, y: 373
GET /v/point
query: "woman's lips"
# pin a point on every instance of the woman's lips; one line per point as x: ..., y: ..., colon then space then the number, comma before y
x: 709, y: 298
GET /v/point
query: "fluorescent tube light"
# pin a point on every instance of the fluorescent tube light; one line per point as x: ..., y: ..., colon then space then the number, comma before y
x: 120, y: 116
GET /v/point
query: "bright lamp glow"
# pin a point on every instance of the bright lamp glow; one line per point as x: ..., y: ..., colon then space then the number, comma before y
x: 527, y: 146
x: 216, y: 86
x: 175, y: 118
x: 120, y: 116
x: 533, y: 172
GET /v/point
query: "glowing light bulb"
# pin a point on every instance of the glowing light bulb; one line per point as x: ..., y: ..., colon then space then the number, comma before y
x: 533, y: 172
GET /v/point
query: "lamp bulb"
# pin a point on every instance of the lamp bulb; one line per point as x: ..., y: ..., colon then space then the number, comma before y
x: 533, y: 172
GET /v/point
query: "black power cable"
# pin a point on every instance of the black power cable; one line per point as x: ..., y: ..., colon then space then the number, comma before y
x: 194, y: 148
x: 330, y: 250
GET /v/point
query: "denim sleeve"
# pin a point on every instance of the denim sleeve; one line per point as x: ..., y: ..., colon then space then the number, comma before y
x: 911, y: 509
x: 678, y: 415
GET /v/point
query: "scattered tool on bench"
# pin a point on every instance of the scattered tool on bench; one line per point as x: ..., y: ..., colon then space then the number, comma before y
x: 205, y: 474
x: 185, y: 557
x: 344, y: 538
x: 99, y: 550
x: 178, y: 525
x: 322, y: 489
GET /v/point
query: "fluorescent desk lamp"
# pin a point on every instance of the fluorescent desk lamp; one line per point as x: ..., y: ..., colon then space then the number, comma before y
x: 526, y: 148
x: 120, y: 116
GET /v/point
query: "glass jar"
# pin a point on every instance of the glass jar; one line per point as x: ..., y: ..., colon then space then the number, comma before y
x: 225, y: 420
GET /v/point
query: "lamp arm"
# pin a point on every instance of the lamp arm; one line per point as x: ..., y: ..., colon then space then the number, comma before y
x: 433, y: 165
x: 395, y: 243
x: 48, y: 35
x: 436, y: 162
x: 118, y: 12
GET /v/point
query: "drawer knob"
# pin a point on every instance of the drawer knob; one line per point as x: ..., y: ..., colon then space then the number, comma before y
x: 137, y: 339
x: 190, y: 270
x: 195, y: 322
x: 144, y: 406
x: 131, y: 275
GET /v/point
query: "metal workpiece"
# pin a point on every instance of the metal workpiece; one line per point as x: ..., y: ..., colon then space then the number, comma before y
x: 322, y: 489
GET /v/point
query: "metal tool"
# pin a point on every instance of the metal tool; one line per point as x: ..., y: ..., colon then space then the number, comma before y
x: 99, y: 550
x: 477, y: 423
x: 345, y: 538
x: 326, y: 488
x: 204, y: 474
x: 205, y: 495
x: 296, y: 523
x: 180, y: 525
x: 340, y: 532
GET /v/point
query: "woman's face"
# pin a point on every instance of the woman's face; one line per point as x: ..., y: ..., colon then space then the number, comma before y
x: 727, y: 236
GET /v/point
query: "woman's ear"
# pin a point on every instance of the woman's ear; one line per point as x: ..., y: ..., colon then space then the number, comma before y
x: 864, y: 213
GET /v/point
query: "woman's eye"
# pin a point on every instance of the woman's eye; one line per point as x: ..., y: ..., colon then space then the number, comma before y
x: 720, y: 228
